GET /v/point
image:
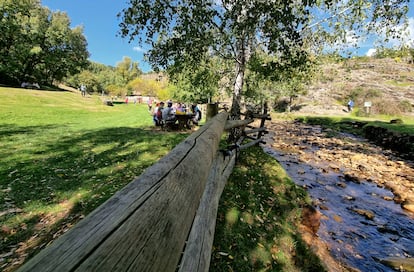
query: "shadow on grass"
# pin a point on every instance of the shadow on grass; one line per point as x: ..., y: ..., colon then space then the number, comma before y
x: 49, y: 180
x: 11, y: 130
x: 257, y: 219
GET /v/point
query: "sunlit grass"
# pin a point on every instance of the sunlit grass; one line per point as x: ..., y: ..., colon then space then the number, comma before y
x: 258, y: 216
x: 399, y: 83
x: 61, y: 156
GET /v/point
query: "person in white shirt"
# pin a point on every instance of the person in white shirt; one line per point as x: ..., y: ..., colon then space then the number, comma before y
x: 168, y: 114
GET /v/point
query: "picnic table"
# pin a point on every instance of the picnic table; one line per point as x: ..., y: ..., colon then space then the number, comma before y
x: 184, y: 120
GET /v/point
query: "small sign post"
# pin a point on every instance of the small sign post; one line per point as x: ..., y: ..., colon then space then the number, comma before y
x: 367, y: 106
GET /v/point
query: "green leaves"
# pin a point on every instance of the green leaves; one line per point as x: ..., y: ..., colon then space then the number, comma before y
x: 185, y: 34
x: 37, y: 45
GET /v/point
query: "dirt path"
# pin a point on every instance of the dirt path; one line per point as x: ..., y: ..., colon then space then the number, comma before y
x: 363, y: 195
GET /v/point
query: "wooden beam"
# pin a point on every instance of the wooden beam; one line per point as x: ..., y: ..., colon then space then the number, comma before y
x: 197, y: 253
x: 237, y: 123
x: 260, y: 129
x: 252, y: 143
x: 262, y: 116
x: 262, y: 122
x: 265, y: 116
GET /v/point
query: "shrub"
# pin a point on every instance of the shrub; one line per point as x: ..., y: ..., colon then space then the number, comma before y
x: 406, y: 106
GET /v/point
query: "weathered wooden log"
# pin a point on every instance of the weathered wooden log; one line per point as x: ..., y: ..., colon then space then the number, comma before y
x: 262, y: 122
x: 252, y: 143
x: 237, y: 123
x: 197, y: 253
x: 265, y: 116
x: 255, y: 130
x: 250, y: 137
x: 144, y: 226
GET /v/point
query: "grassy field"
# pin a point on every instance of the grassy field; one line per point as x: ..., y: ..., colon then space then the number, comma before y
x: 257, y: 221
x: 62, y: 155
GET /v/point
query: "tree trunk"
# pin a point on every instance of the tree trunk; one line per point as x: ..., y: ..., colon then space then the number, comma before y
x: 237, y: 94
x: 238, y: 88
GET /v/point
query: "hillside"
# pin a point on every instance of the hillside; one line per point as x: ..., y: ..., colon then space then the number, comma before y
x: 387, y: 83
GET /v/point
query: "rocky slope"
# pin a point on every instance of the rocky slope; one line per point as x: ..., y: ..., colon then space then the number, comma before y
x: 387, y: 83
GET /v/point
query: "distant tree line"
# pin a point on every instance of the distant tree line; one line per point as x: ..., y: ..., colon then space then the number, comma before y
x: 38, y: 45
x: 404, y: 52
x: 126, y: 78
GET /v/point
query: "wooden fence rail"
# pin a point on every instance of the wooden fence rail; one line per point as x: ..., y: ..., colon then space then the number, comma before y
x: 164, y: 220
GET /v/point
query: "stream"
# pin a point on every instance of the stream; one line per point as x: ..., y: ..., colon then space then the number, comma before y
x: 349, y: 181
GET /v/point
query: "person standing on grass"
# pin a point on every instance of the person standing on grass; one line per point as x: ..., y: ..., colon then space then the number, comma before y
x: 83, y: 89
x: 350, y: 105
x: 149, y: 104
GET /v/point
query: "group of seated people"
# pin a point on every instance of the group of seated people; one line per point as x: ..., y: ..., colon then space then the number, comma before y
x: 162, y: 115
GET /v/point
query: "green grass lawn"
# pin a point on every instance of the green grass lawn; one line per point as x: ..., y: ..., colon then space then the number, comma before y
x: 257, y: 220
x: 62, y: 155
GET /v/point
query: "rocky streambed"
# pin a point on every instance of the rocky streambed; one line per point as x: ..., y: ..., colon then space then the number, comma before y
x: 363, y: 196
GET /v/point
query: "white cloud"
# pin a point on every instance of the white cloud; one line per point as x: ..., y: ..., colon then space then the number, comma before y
x: 352, y: 40
x: 138, y: 49
x: 407, y: 35
x: 371, y: 52
x: 407, y: 38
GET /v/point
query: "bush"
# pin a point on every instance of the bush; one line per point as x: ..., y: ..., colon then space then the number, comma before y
x: 406, y: 106
x: 281, y: 105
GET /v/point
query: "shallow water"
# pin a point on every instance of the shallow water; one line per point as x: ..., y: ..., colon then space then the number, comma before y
x: 354, y: 239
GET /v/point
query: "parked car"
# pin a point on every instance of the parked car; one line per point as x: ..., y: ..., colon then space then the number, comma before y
x: 28, y: 85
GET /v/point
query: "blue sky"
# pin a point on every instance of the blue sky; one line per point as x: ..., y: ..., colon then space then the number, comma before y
x: 98, y: 18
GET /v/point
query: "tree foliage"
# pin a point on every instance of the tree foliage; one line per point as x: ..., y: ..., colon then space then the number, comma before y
x: 196, y: 84
x: 38, y: 45
x: 146, y: 87
x: 128, y: 69
x: 183, y: 32
x: 125, y: 78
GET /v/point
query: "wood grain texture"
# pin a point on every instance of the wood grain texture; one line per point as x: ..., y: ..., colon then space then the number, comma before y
x: 237, y: 123
x: 199, y: 246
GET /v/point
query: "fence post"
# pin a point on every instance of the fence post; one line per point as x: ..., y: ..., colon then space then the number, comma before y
x: 212, y: 110
x: 262, y: 122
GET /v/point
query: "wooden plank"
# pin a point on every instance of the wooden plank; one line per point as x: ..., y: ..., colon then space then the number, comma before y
x: 197, y: 253
x: 252, y: 143
x: 258, y: 116
x: 237, y: 123
x: 264, y: 116
x: 250, y: 131
x: 262, y: 122
x: 144, y: 226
